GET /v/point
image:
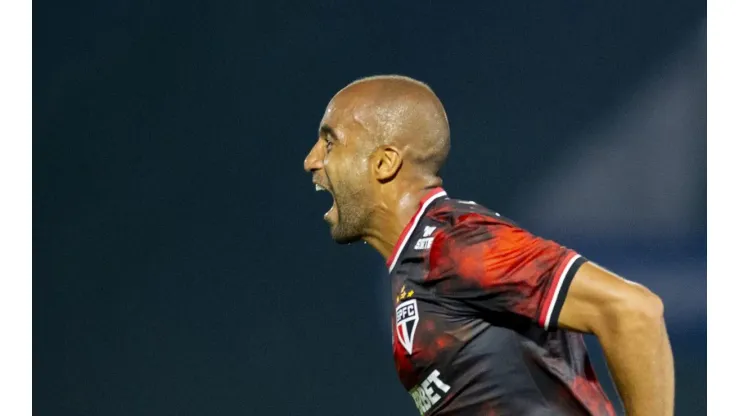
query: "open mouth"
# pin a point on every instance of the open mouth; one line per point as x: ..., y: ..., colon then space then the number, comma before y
x: 331, y: 213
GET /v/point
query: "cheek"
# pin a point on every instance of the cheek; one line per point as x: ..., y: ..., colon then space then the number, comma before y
x: 348, y: 171
x: 330, y: 166
x: 358, y: 174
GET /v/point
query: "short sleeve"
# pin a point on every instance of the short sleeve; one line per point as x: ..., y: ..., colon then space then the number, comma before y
x: 495, y: 266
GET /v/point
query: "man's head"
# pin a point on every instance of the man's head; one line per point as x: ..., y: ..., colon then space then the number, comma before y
x: 378, y: 136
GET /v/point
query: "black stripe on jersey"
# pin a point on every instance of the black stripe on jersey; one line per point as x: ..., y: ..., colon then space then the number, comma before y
x: 567, y: 279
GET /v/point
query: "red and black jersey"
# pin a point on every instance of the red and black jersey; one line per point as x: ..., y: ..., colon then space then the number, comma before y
x: 475, y: 331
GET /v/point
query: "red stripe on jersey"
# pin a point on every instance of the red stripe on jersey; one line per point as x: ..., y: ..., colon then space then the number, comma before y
x: 550, y: 299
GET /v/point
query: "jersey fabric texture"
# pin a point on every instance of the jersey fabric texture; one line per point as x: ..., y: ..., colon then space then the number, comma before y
x: 477, y: 301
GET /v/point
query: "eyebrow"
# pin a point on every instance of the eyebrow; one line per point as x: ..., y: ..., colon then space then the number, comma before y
x: 325, y: 130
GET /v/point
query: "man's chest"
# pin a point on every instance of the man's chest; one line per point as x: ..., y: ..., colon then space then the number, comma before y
x: 427, y: 330
x: 423, y: 343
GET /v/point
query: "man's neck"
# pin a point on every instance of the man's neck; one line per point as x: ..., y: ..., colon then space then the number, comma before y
x: 391, y: 218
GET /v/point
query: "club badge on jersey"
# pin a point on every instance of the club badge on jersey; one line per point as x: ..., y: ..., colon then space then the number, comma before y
x: 407, y: 319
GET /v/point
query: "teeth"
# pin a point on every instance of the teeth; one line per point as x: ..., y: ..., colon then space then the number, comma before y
x: 319, y: 188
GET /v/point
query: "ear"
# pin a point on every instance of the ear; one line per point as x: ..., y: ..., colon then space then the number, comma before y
x: 386, y: 162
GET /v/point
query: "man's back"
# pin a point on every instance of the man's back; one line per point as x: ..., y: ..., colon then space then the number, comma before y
x: 476, y: 299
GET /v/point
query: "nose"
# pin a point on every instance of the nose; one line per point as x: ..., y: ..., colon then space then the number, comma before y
x: 315, y: 159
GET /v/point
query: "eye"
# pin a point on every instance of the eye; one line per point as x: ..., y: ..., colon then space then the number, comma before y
x: 329, y: 145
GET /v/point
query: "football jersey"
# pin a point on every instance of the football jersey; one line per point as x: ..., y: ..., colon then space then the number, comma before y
x: 477, y: 301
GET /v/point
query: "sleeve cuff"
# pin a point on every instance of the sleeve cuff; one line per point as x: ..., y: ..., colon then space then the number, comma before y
x: 553, y: 304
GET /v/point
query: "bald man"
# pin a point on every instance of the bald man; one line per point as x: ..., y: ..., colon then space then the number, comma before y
x: 488, y: 317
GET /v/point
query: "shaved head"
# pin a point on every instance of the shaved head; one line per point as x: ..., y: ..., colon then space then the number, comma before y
x: 381, y: 137
x: 403, y: 112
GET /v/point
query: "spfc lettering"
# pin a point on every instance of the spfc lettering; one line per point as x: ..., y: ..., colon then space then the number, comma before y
x: 424, y: 243
x: 407, y: 318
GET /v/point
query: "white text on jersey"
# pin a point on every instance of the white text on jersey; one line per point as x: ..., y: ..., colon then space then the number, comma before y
x: 429, y: 392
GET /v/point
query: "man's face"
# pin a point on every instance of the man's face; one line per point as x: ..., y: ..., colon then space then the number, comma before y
x: 339, y: 164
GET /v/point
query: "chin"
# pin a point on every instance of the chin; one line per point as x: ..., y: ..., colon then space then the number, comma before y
x: 343, y: 238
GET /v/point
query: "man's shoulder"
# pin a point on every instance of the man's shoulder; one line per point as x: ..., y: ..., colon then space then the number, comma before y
x: 454, y: 213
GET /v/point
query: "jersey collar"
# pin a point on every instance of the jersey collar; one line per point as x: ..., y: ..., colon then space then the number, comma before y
x: 430, y: 197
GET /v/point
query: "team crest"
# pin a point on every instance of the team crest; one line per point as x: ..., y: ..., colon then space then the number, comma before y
x: 407, y: 318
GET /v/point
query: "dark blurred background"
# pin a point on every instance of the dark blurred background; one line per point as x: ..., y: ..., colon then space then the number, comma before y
x: 181, y: 264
